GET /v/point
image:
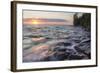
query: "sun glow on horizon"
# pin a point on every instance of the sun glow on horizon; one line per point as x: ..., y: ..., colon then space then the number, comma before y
x: 42, y: 21
x: 35, y: 22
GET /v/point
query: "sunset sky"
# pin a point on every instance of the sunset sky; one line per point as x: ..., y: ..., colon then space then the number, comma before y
x: 47, y: 17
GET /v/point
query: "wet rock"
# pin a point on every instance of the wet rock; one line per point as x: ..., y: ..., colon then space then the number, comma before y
x: 27, y: 46
x: 64, y: 44
x: 89, y: 55
x: 70, y: 51
x: 61, y: 55
x: 85, y: 51
x: 60, y: 49
x: 76, y: 40
x: 50, y: 58
x: 75, y: 57
x: 79, y: 49
x: 27, y: 41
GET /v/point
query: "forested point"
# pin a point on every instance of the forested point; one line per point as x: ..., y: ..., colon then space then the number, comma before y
x: 84, y: 21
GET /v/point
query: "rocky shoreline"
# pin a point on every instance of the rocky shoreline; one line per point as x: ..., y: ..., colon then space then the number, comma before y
x: 56, y: 44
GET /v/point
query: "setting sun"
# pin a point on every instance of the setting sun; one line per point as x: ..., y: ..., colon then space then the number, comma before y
x: 35, y: 22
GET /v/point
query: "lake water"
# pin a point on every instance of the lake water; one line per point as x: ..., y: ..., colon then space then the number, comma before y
x: 55, y: 43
